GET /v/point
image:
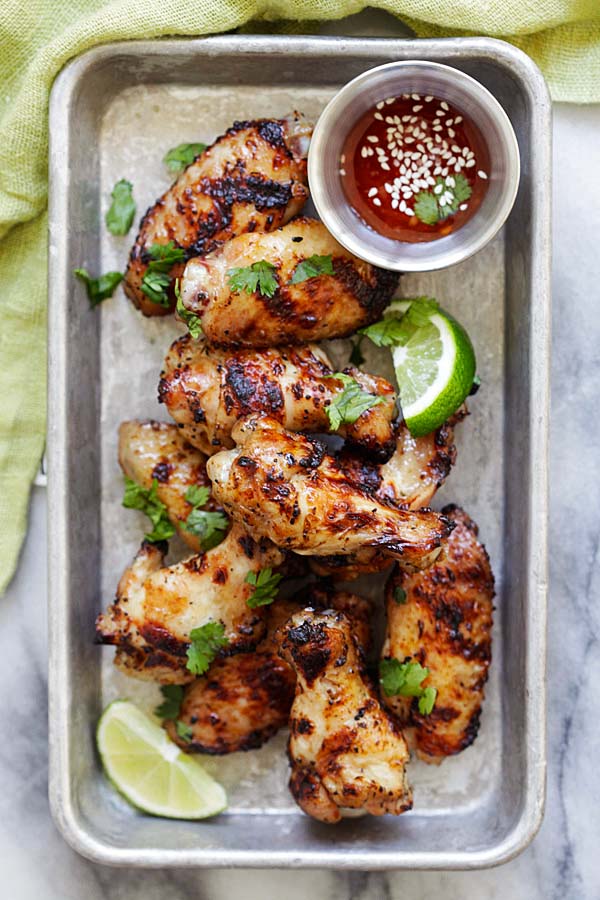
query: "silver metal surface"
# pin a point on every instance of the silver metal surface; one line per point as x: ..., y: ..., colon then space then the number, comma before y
x: 114, y: 112
x: 357, y: 98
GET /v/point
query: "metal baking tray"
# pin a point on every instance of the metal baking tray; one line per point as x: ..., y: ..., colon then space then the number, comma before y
x: 114, y: 112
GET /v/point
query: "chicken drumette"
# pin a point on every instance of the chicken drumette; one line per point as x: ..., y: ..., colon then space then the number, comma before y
x: 157, y: 606
x: 442, y: 619
x: 253, y: 178
x: 345, y: 751
x: 206, y: 390
x: 285, y: 486
x: 298, y: 308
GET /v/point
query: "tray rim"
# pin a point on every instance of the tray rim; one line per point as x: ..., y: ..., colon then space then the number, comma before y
x: 61, y: 802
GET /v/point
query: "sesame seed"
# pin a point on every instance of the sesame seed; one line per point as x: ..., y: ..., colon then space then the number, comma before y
x: 389, y: 120
x: 436, y: 121
x: 402, y: 206
x: 457, y: 120
x: 444, y: 172
x: 428, y: 99
x: 469, y: 163
x: 388, y: 187
x: 390, y: 100
x: 372, y: 192
x: 417, y: 107
x: 450, y: 181
x: 376, y: 201
x: 385, y: 167
x: 372, y: 138
x: 463, y: 206
x: 378, y: 116
x: 342, y: 171
x: 416, y: 96
x: 449, y: 122
x: 438, y: 189
x: 482, y: 175
x: 363, y: 152
x: 465, y: 151
x: 451, y: 132
x: 442, y: 201
x: 379, y: 105
x: 440, y: 113
x: 405, y: 118
x: 444, y: 105
x: 343, y: 158
x: 409, y: 211
x: 394, y: 204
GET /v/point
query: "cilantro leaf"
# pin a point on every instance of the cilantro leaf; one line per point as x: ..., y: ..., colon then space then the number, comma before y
x: 400, y: 596
x: 193, y: 322
x: 426, y: 208
x: 164, y: 256
x: 427, y: 700
x: 183, y: 731
x: 311, y: 268
x: 205, y: 643
x: 405, y: 679
x: 177, y: 158
x: 99, y: 289
x: 155, y: 286
x: 356, y: 356
x: 462, y: 189
x: 385, y: 333
x: 122, y: 209
x: 197, y: 494
x: 171, y: 705
x: 350, y: 403
x: 137, y: 497
x: 265, y: 587
x: 259, y: 276
x: 209, y: 526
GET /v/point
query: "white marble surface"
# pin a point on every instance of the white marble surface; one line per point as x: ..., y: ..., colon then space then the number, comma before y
x: 563, y: 862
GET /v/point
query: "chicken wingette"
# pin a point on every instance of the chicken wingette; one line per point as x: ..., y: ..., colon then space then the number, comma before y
x: 285, y: 486
x: 206, y: 390
x: 243, y: 700
x: 158, y: 606
x: 442, y: 619
x: 156, y: 451
x: 252, y: 178
x: 345, y: 751
x: 286, y: 304
x: 417, y: 469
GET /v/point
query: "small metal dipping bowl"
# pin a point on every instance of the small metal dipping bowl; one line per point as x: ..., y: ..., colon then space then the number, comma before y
x: 358, y: 97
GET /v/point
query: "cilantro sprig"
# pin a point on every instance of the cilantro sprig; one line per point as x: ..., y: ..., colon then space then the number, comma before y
x: 396, y: 332
x: 260, y: 276
x: 209, y: 526
x: 122, y: 209
x: 443, y: 199
x: 172, y: 700
x: 156, y: 281
x: 265, y: 587
x: 193, y: 322
x: 406, y: 679
x: 146, y: 500
x: 181, y: 156
x: 385, y: 333
x: 99, y: 289
x: 205, y: 643
x: 311, y: 267
x: 346, y: 407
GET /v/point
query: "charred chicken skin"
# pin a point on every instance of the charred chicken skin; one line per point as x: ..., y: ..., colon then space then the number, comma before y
x: 253, y: 178
x: 157, y: 450
x: 285, y: 486
x: 444, y: 624
x: 417, y: 469
x: 206, y: 390
x: 157, y: 606
x: 244, y: 700
x: 311, y: 309
x: 345, y: 751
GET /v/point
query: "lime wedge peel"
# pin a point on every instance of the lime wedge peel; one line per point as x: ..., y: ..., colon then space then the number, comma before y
x: 435, y: 370
x: 150, y: 771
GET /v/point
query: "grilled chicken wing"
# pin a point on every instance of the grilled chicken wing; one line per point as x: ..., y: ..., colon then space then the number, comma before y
x: 445, y: 624
x: 345, y: 751
x: 157, y: 607
x: 285, y: 486
x: 324, y: 306
x: 157, y: 450
x: 207, y: 390
x: 253, y: 178
x: 244, y: 700
x: 418, y: 467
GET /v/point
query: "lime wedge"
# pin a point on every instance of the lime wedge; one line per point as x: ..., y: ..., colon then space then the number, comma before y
x: 435, y: 369
x: 150, y: 771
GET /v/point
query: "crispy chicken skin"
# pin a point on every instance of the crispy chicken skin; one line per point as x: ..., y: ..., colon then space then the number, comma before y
x: 285, y: 486
x: 206, y: 390
x: 345, y: 751
x: 445, y: 624
x: 411, y: 477
x: 244, y: 700
x: 157, y: 606
x: 325, y: 306
x: 253, y: 178
x: 157, y: 450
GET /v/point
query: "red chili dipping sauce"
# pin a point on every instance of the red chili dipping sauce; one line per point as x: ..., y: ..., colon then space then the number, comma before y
x: 414, y: 168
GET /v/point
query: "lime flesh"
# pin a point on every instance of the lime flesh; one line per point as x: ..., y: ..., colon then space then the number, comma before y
x: 150, y: 771
x: 434, y: 369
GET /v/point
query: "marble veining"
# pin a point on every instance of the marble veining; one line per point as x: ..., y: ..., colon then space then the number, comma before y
x: 563, y: 862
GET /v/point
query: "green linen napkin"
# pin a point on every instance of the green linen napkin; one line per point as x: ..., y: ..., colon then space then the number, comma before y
x: 39, y: 37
